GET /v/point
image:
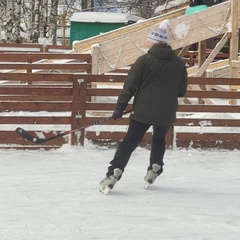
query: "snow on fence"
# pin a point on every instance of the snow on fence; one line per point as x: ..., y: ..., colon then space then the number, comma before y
x: 213, y: 125
x: 32, y: 47
x: 45, y: 62
x: 55, y: 103
x: 46, y: 105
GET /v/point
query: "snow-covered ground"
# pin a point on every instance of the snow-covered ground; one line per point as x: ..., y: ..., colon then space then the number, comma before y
x: 53, y: 195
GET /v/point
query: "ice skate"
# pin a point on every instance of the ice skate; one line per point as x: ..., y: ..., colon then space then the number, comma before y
x: 152, y: 175
x: 108, y: 183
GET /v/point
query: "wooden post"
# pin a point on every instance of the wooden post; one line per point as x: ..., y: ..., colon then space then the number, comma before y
x: 233, y: 55
x: 75, y: 107
x: 184, y: 51
x: 95, y: 58
x: 64, y: 16
x: 202, y: 47
x: 212, y: 55
x: 82, y: 80
x: 79, y: 108
x: 170, y: 137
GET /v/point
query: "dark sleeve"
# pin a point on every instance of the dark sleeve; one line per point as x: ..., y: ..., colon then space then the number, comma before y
x: 193, y: 3
x: 131, y: 84
x: 183, y: 85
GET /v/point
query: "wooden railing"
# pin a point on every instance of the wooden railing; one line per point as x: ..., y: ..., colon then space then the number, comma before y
x: 50, y: 101
x: 54, y: 103
x: 45, y: 62
x: 32, y: 48
x: 191, y: 57
x: 209, y: 125
x: 190, y: 116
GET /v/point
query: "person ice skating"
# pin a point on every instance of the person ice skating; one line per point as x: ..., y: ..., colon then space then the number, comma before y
x: 156, y: 80
x: 209, y: 3
x: 193, y: 3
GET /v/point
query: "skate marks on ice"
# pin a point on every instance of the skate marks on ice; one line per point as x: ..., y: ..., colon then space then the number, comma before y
x: 54, y: 195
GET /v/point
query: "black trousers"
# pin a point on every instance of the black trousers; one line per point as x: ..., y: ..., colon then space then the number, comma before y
x: 134, y: 135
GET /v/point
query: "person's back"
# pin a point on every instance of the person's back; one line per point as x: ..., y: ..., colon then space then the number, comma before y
x: 208, y: 3
x: 161, y: 73
x: 193, y: 3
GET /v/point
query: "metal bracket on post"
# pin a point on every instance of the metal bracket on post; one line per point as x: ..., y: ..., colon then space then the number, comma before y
x: 78, y: 116
x: 80, y: 80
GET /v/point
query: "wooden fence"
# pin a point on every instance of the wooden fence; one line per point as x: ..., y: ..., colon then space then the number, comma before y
x: 55, y: 103
x: 50, y: 101
x: 45, y: 62
x: 216, y: 125
x: 198, y: 129
x: 32, y: 48
x: 191, y: 57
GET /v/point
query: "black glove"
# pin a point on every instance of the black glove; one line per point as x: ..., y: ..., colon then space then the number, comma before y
x: 117, y: 114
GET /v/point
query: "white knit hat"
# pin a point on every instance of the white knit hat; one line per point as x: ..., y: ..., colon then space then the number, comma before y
x: 159, y: 34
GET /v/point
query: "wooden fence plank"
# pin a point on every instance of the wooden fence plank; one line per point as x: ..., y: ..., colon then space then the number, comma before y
x: 30, y: 57
x: 11, y: 137
x: 36, y: 90
x: 207, y: 122
x: 35, y: 120
x: 209, y: 108
x: 46, y: 77
x: 35, y: 106
x: 213, y: 81
x: 113, y: 138
x: 213, y: 94
x: 46, y: 66
x: 14, y: 98
x: 208, y: 140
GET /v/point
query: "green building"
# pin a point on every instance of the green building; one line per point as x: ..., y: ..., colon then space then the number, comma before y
x: 88, y: 24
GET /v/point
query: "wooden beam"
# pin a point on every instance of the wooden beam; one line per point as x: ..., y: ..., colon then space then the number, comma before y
x: 183, y: 31
x: 183, y: 51
x: 213, y: 54
x: 199, y: 26
x: 85, y: 45
x: 202, y: 47
x: 95, y: 59
x: 214, y: 65
x: 234, y: 35
x: 235, y: 64
x: 234, y: 42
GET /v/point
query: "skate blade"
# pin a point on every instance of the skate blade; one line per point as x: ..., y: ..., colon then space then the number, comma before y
x: 104, y: 189
x: 146, y: 185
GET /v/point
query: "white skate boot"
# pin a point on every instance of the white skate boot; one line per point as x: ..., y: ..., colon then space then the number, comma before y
x: 108, y: 183
x: 152, y: 175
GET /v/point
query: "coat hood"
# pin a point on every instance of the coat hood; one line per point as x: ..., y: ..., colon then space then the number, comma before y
x: 162, y: 51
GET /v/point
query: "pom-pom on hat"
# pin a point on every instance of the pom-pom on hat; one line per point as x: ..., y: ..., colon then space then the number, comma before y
x: 159, y: 34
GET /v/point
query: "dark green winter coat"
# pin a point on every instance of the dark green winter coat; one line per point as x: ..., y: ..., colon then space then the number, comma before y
x: 156, y: 80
